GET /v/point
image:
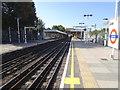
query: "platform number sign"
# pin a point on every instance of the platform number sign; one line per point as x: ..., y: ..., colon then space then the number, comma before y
x: 113, y: 36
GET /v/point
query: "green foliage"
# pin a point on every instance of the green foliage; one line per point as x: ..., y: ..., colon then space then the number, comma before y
x: 59, y: 27
x: 102, y: 30
x: 55, y: 27
x: 23, y: 10
x: 41, y: 24
x: 68, y: 29
x: 91, y: 33
x: 96, y: 32
x: 48, y: 29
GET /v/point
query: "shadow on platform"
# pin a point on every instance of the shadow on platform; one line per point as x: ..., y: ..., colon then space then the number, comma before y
x: 82, y: 44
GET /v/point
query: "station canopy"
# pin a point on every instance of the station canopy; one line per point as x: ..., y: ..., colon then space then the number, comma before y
x: 78, y: 28
x: 55, y: 31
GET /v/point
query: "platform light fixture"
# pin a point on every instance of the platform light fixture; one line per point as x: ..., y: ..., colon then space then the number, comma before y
x: 106, y: 22
x: 87, y: 15
x: 81, y: 23
x: 18, y: 27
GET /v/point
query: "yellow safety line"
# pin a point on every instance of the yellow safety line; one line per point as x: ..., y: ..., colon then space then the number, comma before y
x: 72, y: 80
x: 86, y: 74
x: 72, y: 63
x: 9, y: 49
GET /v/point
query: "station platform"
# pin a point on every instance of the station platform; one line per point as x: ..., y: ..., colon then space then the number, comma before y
x: 89, y: 65
x: 4, y: 48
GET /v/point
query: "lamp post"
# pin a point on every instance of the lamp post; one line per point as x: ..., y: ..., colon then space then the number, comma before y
x: 18, y: 29
x: 9, y: 34
x: 81, y: 31
x: 94, y: 26
x: 37, y: 25
x: 81, y: 23
x: 95, y: 33
x: 106, y: 32
x: 87, y: 15
x: 38, y: 29
x: 25, y: 31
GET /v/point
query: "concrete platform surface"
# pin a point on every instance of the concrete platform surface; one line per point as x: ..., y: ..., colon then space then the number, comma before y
x: 97, y: 58
x: 4, y: 48
x: 93, y: 64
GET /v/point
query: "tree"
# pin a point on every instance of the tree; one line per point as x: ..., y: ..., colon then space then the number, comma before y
x: 40, y: 25
x: 91, y: 33
x: 59, y: 27
x: 102, y: 30
x: 68, y: 29
x: 24, y: 10
x: 95, y: 32
x: 48, y: 28
x: 55, y: 27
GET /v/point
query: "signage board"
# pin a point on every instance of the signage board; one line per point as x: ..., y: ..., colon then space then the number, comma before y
x: 113, y: 37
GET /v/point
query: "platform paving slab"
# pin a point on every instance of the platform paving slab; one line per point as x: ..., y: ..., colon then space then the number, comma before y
x: 96, y: 65
x: 73, y: 76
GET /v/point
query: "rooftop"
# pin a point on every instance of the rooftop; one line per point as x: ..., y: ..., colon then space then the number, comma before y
x: 54, y: 31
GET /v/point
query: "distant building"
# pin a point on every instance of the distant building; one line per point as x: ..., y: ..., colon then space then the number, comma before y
x: 79, y: 32
x: 49, y: 34
x: 67, y: 30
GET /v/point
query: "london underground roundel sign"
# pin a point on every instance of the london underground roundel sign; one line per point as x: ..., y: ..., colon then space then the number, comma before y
x: 113, y: 36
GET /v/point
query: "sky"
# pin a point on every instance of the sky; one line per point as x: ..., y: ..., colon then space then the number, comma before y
x: 70, y: 14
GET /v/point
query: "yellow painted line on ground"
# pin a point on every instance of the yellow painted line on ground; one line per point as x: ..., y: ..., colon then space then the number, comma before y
x: 72, y: 80
x: 86, y: 74
x: 9, y: 49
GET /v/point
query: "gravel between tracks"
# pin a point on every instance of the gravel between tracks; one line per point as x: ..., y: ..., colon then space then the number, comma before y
x: 57, y: 79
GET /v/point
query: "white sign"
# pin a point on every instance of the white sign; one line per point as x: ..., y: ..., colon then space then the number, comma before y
x: 113, y: 37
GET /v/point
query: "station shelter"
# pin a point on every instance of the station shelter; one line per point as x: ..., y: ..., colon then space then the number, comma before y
x: 49, y: 34
x: 78, y: 32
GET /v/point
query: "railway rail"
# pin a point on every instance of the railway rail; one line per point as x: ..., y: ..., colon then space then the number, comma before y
x: 15, y: 66
x: 39, y: 68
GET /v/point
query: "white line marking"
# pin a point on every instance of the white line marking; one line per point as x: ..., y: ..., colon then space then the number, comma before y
x: 65, y: 69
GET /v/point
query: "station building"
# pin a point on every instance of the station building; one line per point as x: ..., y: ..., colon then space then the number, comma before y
x: 51, y: 34
x: 78, y: 31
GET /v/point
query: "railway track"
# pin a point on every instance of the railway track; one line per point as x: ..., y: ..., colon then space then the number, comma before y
x: 20, y: 63
x: 40, y: 72
x: 46, y: 82
x: 17, y: 64
x: 16, y: 59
